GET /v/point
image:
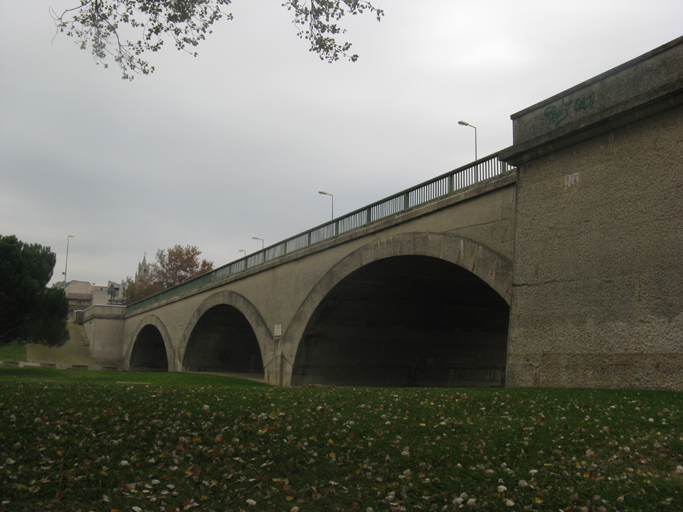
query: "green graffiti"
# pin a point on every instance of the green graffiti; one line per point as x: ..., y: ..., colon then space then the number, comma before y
x: 555, y: 114
x: 585, y: 102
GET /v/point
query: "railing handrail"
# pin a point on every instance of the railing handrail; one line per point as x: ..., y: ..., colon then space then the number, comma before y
x: 400, y: 202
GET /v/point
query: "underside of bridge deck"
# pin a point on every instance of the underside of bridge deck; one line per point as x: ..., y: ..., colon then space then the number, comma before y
x: 223, y: 341
x: 406, y: 321
x: 149, y: 352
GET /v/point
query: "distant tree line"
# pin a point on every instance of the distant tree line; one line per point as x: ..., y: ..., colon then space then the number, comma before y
x: 29, y: 311
x: 173, y: 266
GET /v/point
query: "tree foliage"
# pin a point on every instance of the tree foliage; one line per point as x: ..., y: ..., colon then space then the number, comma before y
x: 178, y: 264
x: 103, y: 26
x: 173, y: 266
x: 140, y: 289
x: 30, y: 312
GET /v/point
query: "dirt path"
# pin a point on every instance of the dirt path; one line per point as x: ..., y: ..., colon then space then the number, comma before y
x: 73, y: 352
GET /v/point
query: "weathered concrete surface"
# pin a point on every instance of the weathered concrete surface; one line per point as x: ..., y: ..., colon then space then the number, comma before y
x: 104, y: 326
x: 646, y: 85
x: 598, y: 269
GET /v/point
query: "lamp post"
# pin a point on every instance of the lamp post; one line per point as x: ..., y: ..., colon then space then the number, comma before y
x: 245, y: 252
x: 263, y: 243
x: 326, y: 194
x: 464, y: 123
x: 66, y: 265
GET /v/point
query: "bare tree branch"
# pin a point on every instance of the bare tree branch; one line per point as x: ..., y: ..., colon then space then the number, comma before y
x: 100, y: 25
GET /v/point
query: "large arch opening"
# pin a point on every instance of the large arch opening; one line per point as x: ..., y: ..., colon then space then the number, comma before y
x: 149, y: 351
x: 406, y: 321
x: 223, y: 341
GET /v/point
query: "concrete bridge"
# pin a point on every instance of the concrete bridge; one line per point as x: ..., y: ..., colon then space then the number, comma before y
x: 557, y: 262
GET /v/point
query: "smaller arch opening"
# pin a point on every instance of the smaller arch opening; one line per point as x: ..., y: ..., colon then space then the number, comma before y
x: 149, y: 351
x: 223, y: 341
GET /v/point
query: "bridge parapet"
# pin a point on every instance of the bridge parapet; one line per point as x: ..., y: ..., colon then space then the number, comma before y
x: 644, y: 86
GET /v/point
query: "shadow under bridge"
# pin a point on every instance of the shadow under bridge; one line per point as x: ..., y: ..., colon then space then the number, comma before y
x: 149, y: 351
x: 406, y: 321
x: 223, y: 341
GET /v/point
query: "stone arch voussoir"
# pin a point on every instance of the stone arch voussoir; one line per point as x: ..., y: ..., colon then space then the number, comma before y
x: 156, y: 322
x: 241, y: 304
x: 491, y: 267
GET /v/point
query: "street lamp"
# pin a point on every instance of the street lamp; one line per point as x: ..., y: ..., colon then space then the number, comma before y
x: 263, y: 244
x: 326, y: 194
x: 66, y: 265
x: 245, y: 252
x: 464, y: 123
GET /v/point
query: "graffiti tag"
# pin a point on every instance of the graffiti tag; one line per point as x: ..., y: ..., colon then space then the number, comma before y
x: 585, y: 102
x: 555, y: 114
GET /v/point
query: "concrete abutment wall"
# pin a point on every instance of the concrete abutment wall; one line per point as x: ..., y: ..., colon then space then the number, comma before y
x: 598, y: 271
x: 105, y: 329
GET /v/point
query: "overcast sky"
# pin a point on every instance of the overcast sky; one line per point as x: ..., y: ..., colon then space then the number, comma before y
x: 235, y: 143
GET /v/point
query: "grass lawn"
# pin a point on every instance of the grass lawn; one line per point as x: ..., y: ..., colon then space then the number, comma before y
x: 72, y: 352
x: 14, y: 351
x: 89, y: 443
x: 154, y: 379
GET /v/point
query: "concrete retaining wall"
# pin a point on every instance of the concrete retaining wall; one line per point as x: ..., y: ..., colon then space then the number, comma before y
x: 105, y: 326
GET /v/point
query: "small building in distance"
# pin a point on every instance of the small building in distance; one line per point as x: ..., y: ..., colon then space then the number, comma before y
x: 82, y: 294
x: 79, y: 294
x: 112, y: 293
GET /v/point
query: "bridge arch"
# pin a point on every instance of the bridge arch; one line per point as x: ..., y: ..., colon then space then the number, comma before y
x: 436, y: 257
x: 150, y: 348
x: 203, y: 345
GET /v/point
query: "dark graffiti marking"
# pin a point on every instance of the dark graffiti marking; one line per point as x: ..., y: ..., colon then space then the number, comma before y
x: 585, y: 102
x: 555, y: 114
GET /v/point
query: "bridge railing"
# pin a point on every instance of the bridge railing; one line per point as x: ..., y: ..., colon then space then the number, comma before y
x: 462, y: 177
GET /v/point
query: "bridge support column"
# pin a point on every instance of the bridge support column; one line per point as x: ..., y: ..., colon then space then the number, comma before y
x: 273, y: 368
x: 279, y: 370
